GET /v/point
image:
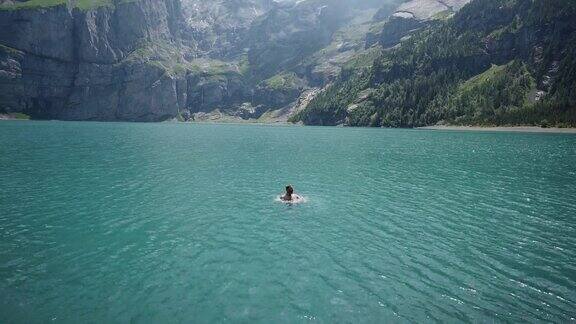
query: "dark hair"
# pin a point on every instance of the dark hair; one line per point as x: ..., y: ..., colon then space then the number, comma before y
x: 289, y: 190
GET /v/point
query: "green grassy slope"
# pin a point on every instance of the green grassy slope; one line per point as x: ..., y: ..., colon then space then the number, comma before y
x: 496, y: 62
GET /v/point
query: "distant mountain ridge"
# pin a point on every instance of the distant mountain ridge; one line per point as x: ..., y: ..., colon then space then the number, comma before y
x: 265, y: 60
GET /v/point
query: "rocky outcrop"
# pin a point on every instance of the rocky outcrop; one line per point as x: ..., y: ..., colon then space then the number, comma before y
x: 206, y: 92
x: 411, y: 16
x: 289, y: 34
x: 428, y: 9
x: 72, y: 64
x: 219, y: 28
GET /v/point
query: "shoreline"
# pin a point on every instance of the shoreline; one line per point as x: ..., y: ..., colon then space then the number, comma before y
x: 509, y: 129
x: 513, y: 129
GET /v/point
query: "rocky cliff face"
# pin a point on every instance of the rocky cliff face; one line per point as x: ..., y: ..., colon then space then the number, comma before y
x: 219, y: 28
x: 151, y: 60
x: 85, y: 65
x: 411, y: 16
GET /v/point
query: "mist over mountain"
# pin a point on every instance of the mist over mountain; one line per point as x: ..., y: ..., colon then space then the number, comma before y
x: 260, y: 60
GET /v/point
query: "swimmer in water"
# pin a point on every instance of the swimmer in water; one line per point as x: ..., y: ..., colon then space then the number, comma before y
x: 289, y: 194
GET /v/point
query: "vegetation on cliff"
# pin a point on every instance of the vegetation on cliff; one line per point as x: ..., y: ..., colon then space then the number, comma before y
x: 80, y: 4
x: 494, y: 63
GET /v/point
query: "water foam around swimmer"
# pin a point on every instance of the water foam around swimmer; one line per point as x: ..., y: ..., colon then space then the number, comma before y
x: 296, y: 200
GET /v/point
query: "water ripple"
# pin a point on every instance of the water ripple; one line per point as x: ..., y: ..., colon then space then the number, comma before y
x: 171, y: 222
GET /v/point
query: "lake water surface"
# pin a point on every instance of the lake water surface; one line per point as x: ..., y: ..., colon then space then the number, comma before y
x: 166, y: 223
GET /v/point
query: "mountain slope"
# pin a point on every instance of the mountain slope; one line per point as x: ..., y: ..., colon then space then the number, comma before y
x: 375, y: 62
x: 494, y: 63
x: 144, y: 60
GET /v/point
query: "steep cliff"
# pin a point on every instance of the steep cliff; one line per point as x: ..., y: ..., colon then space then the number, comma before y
x: 109, y: 62
x: 219, y: 28
x: 255, y: 56
x: 144, y: 60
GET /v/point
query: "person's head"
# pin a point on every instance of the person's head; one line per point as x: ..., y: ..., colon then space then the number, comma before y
x: 289, y: 190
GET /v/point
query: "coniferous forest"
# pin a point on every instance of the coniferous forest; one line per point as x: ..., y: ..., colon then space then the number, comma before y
x: 494, y: 63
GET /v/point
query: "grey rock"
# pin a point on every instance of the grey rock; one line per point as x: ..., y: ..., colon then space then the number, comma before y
x: 206, y: 93
x: 408, y: 17
x: 75, y: 65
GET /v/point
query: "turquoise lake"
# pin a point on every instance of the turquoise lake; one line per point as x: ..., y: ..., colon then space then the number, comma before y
x: 178, y: 223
